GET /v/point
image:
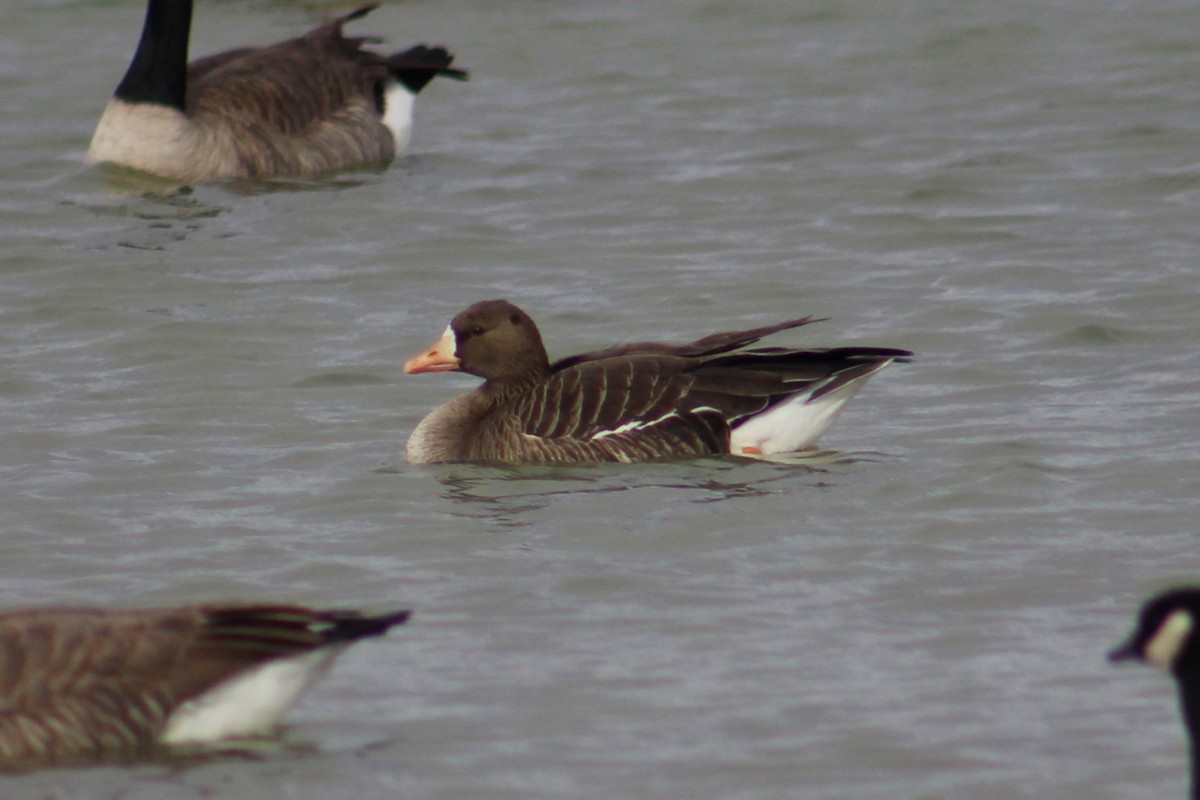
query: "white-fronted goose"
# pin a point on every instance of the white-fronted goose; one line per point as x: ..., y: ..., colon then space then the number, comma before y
x: 1166, y: 636
x: 86, y: 685
x: 635, y: 402
x: 309, y: 105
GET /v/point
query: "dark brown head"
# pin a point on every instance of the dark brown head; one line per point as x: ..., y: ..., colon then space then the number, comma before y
x: 492, y: 339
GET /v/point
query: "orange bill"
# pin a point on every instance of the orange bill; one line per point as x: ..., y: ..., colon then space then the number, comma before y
x: 438, y: 358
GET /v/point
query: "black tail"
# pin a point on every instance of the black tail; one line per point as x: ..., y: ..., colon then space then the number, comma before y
x: 349, y: 626
x: 283, y: 630
x: 418, y: 65
x: 358, y: 13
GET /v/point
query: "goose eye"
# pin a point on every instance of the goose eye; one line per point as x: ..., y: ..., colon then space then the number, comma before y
x: 514, y: 319
x: 477, y: 330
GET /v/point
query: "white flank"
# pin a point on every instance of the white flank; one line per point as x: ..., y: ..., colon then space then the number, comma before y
x: 636, y: 425
x: 398, y: 114
x: 1163, y: 648
x: 249, y: 704
x: 793, y: 424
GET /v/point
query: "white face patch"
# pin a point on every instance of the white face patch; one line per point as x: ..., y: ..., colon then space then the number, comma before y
x: 1163, y: 648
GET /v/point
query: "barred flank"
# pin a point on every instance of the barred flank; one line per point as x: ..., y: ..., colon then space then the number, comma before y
x: 80, y: 685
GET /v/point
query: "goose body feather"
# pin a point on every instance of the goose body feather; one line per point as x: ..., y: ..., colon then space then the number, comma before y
x: 313, y: 104
x: 85, y: 685
x: 634, y: 402
x: 1167, y: 636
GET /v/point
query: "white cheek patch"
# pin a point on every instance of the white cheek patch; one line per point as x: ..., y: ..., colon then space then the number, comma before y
x: 451, y: 340
x: 1163, y: 648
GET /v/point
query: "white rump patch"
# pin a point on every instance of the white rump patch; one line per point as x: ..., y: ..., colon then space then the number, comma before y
x: 794, y: 424
x: 398, y: 114
x: 249, y: 704
x: 1163, y: 648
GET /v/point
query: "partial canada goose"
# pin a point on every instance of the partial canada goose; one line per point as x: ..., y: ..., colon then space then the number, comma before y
x: 634, y: 402
x: 309, y: 105
x: 85, y: 685
x: 1166, y: 637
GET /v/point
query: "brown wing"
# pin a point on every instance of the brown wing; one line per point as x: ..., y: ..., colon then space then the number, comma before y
x: 252, y: 104
x: 712, y: 344
x: 200, y: 68
x: 650, y: 406
x: 259, y: 86
x: 620, y: 409
x: 600, y: 397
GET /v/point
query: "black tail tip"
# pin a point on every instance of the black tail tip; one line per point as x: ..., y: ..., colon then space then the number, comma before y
x: 350, y: 625
x: 359, y: 12
x: 418, y: 65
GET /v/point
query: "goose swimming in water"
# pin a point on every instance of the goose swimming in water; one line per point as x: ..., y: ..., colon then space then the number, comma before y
x: 635, y: 402
x: 1166, y: 636
x: 314, y: 104
x: 87, y: 685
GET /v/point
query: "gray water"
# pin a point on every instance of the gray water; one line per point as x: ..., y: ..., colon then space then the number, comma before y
x: 201, y: 397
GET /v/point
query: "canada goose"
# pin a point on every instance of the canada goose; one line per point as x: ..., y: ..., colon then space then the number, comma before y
x: 1165, y: 637
x: 313, y: 104
x: 84, y: 685
x: 634, y: 402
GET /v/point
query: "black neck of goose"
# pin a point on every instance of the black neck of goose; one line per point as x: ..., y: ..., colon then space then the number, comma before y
x: 1189, y: 695
x: 158, y: 72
